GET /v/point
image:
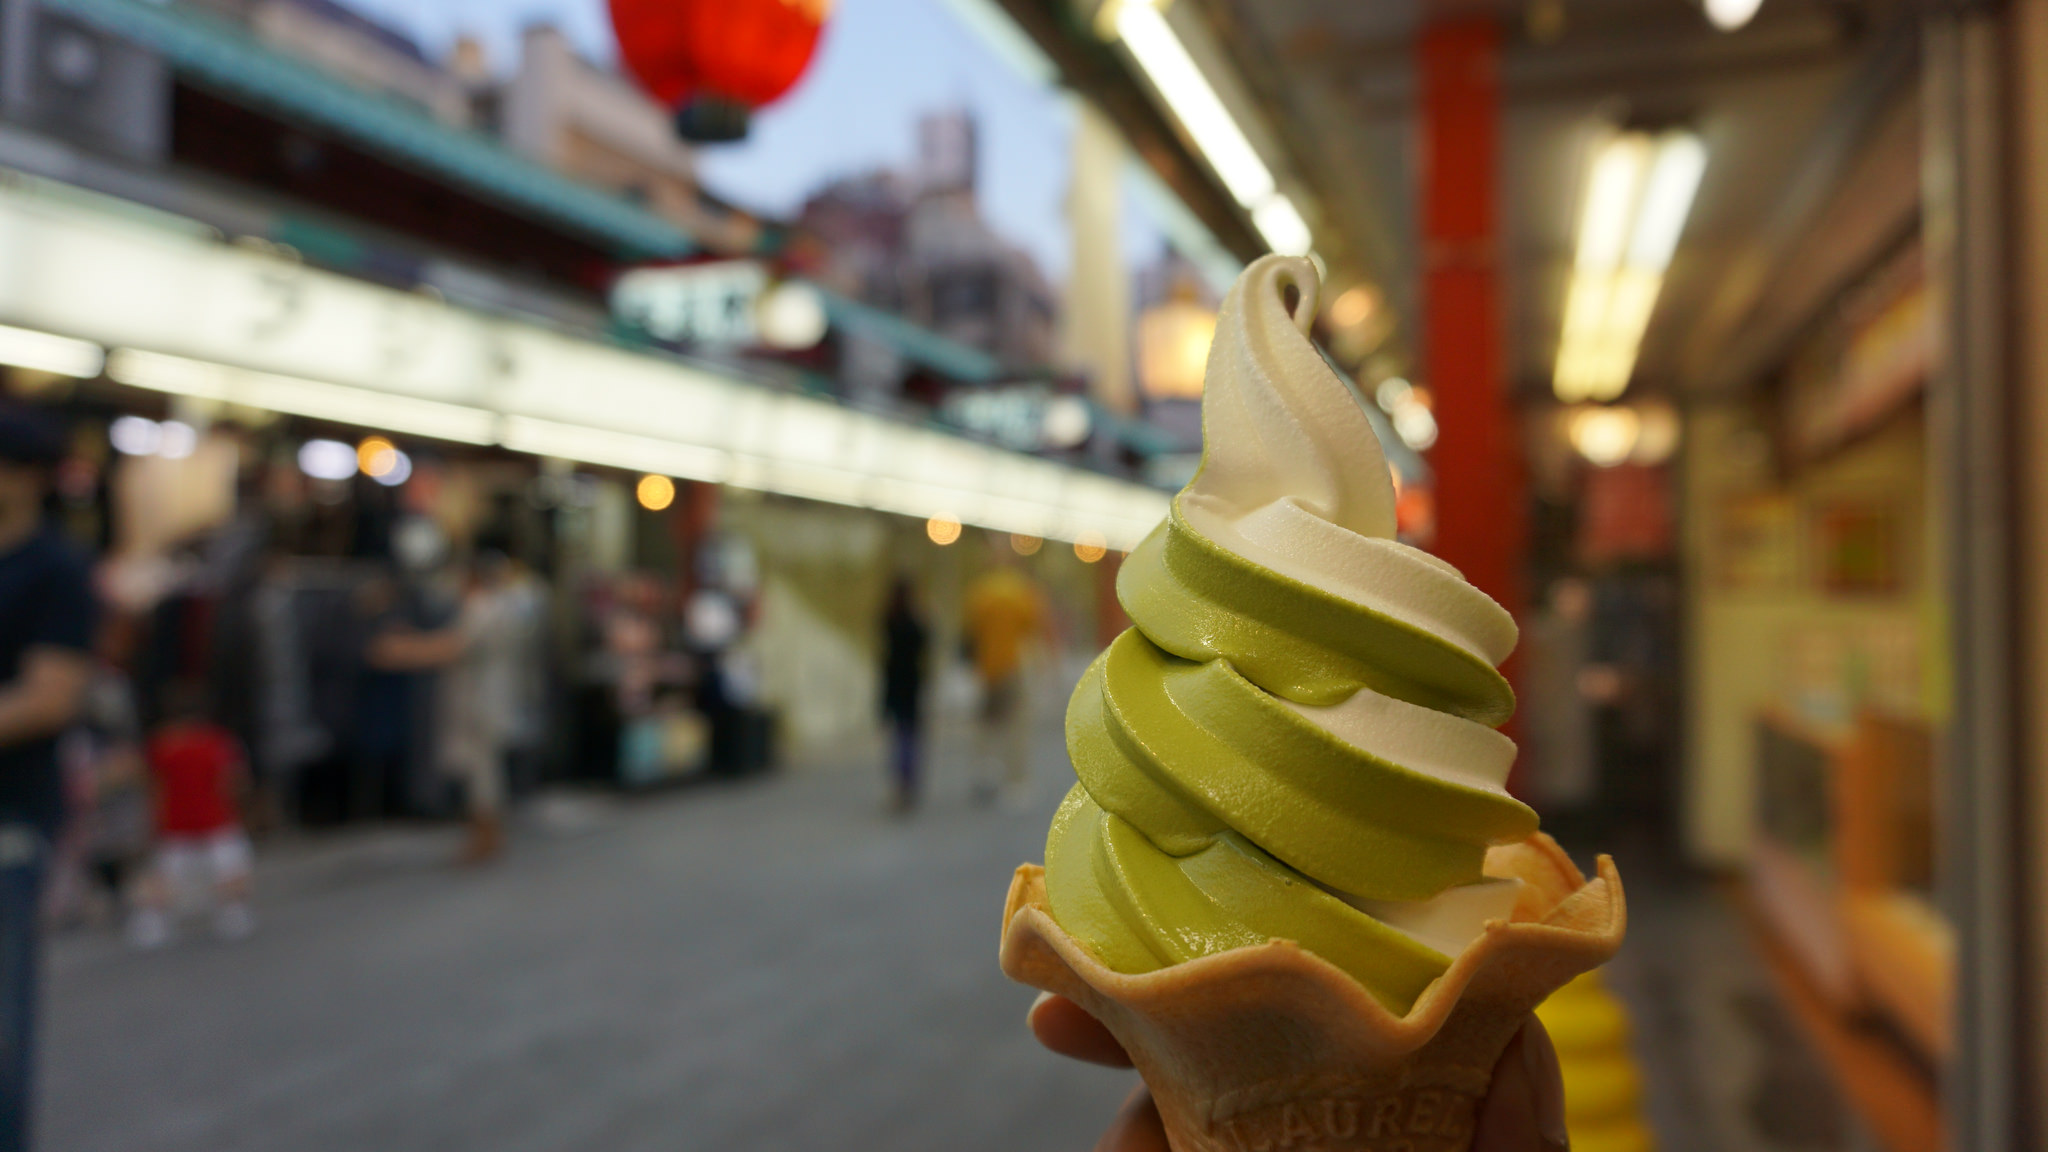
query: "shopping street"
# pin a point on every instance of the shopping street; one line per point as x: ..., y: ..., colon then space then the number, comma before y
x: 507, y: 499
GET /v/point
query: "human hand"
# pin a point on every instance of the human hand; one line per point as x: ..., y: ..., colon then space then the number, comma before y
x: 1523, y: 1110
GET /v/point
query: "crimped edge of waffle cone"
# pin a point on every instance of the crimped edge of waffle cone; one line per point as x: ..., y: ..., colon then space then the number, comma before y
x: 1279, y: 1036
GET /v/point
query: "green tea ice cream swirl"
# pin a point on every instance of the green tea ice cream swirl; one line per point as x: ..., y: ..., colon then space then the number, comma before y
x: 1297, y: 739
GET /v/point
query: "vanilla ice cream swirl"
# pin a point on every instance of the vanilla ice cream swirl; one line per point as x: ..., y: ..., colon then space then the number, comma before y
x: 1297, y: 738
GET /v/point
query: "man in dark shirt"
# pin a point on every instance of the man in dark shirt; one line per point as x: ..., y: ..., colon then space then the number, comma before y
x: 46, y: 625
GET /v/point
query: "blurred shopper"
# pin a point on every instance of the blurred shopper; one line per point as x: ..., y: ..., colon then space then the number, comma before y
x: 905, y: 644
x: 199, y: 772
x: 115, y: 824
x: 1559, y: 760
x: 290, y: 739
x: 1006, y: 620
x: 526, y: 599
x: 633, y: 643
x: 380, y: 738
x: 482, y: 659
x: 46, y: 626
x: 481, y: 695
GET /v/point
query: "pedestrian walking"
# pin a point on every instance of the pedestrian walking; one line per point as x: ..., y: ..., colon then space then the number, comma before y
x: 1006, y: 621
x: 481, y: 696
x: 47, y: 616
x: 116, y: 820
x: 481, y: 658
x: 198, y: 771
x: 905, y: 644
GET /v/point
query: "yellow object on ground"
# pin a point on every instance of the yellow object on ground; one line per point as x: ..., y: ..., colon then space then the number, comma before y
x: 1603, y: 1091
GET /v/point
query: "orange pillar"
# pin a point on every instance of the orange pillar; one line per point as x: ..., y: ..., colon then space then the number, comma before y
x: 1480, y: 497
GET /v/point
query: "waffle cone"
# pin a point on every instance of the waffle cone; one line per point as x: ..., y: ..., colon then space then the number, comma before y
x: 1272, y: 1048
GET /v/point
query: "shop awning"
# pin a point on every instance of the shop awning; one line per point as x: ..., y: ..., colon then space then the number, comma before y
x: 182, y: 313
x: 918, y: 345
x: 218, y: 55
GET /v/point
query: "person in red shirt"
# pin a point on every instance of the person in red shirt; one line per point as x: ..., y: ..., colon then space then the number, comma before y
x: 198, y: 771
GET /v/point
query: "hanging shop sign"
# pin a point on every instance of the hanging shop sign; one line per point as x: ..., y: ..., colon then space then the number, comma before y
x: 720, y: 304
x: 715, y: 61
x: 181, y: 313
x: 1027, y: 418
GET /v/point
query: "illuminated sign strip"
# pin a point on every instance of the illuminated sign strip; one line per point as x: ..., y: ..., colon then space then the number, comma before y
x: 322, y: 401
x: 248, y: 326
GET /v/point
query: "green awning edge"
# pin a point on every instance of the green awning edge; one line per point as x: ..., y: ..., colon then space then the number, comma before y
x: 223, y: 56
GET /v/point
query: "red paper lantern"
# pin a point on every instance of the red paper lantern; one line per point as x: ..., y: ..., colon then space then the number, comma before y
x: 728, y: 55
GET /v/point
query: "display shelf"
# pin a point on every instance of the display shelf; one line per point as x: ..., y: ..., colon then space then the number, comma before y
x: 1891, y: 1094
x: 1904, y: 955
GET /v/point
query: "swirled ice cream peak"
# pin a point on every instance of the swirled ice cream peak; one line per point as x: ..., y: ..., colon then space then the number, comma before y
x: 1293, y: 476
x: 1296, y: 738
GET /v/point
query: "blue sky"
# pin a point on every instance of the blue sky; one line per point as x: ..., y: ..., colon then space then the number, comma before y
x: 882, y: 63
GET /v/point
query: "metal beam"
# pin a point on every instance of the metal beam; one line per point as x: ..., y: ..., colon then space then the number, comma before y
x: 1727, y: 350
x: 1089, y: 65
x: 1971, y: 405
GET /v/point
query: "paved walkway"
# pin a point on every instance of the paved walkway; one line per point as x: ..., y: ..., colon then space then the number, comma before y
x: 774, y: 965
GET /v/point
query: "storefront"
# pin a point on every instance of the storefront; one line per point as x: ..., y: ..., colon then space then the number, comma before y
x: 1852, y: 611
x: 717, y: 549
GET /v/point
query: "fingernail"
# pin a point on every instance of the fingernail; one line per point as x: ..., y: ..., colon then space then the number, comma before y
x: 1546, y: 1085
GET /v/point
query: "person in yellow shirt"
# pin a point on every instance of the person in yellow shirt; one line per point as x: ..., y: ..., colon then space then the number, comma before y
x: 1006, y: 622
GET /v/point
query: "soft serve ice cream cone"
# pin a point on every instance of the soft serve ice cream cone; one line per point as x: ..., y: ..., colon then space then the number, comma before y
x: 1290, y: 879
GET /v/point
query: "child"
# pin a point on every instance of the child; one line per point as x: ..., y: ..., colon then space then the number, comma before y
x: 198, y: 769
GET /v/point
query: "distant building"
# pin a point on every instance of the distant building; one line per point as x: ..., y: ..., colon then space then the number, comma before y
x: 355, y: 48
x: 556, y: 108
x: 948, y: 153
x: 593, y: 125
x: 854, y: 228
x: 919, y: 245
x: 1171, y: 276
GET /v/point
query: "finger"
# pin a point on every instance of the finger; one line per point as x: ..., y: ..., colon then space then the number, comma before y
x: 1524, y: 1109
x: 1068, y: 1029
x: 1546, y: 1082
x: 1137, y: 1127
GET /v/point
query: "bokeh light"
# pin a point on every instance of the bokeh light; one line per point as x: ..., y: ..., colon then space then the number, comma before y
x: 655, y: 492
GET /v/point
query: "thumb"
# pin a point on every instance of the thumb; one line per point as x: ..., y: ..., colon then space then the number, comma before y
x: 1524, y: 1109
x: 1137, y: 1127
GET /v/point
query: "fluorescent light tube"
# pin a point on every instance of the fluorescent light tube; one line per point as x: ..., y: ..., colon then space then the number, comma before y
x: 45, y: 352
x: 616, y: 449
x: 317, y: 399
x: 1728, y: 15
x: 1195, y: 104
x: 1667, y: 200
x: 1280, y: 222
x: 1611, y: 194
x: 1639, y: 193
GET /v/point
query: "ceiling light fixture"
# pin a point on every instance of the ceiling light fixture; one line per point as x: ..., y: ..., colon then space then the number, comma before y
x: 1639, y: 192
x: 1144, y: 30
x: 1605, y: 436
x: 1280, y: 223
x: 1728, y: 15
x: 44, y: 352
